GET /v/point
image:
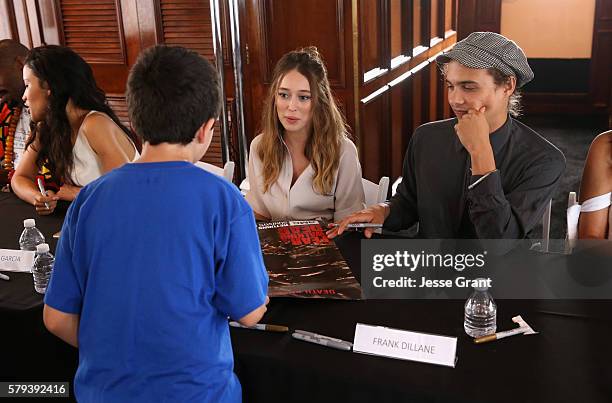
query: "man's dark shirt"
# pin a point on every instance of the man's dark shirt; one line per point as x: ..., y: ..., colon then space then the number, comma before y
x: 507, y: 204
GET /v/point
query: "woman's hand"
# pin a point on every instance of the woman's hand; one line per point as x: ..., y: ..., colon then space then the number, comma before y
x: 45, y: 205
x: 68, y: 192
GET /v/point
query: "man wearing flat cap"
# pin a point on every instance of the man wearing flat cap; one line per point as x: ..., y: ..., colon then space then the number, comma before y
x: 482, y: 174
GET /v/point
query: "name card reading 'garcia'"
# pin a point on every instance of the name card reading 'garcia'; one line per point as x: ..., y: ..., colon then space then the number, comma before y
x: 16, y: 260
x: 405, y: 345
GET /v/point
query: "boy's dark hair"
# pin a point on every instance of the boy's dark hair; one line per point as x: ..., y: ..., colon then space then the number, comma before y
x: 171, y: 92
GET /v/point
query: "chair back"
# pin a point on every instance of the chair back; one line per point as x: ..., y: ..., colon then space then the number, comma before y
x: 375, y: 193
x: 226, y: 172
x: 546, y: 226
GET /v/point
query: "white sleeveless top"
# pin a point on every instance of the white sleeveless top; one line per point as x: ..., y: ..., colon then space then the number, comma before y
x: 593, y: 204
x: 87, y: 165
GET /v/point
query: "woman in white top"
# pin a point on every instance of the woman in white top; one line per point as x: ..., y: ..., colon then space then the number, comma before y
x: 75, y: 134
x: 302, y: 165
x: 596, y: 190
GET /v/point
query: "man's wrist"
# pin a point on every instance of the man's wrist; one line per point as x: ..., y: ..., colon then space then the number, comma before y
x: 482, y: 161
x: 386, y: 209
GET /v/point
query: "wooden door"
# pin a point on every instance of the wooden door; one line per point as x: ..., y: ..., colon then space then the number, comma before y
x: 275, y: 27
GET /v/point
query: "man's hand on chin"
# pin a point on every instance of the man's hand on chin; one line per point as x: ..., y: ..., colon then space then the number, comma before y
x: 473, y: 131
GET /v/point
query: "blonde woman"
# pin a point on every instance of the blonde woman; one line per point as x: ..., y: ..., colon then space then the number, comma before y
x: 303, y: 165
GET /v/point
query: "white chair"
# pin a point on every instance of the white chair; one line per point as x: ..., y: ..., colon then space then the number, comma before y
x: 226, y: 172
x: 245, y: 186
x: 395, y: 185
x: 375, y: 193
x: 572, y: 216
x: 546, y: 227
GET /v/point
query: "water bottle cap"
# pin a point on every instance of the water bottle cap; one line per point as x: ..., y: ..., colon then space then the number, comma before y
x: 480, y: 284
x: 42, y: 248
x: 29, y: 223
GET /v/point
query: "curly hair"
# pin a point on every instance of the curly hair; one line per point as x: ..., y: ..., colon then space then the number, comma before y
x: 68, y: 77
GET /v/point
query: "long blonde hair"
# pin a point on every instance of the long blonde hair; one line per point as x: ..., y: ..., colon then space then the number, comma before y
x: 328, y: 124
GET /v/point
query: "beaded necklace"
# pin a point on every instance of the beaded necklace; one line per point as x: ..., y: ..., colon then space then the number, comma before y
x: 10, y: 138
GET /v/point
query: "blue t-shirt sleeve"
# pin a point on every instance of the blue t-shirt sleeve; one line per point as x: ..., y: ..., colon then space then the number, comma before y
x: 64, y: 291
x: 241, y: 280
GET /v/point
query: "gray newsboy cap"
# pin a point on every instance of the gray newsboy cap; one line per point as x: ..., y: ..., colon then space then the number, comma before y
x: 484, y: 50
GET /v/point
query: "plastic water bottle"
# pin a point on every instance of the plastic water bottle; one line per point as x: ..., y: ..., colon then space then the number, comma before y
x: 31, y: 236
x: 43, y: 266
x: 480, y: 313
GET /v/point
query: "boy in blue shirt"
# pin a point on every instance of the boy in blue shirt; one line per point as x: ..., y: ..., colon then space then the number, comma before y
x: 155, y: 255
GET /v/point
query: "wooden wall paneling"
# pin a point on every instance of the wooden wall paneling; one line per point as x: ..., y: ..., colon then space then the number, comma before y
x: 434, y: 18
x: 399, y: 32
x: 370, y: 38
x: 94, y: 31
x: 23, y: 23
x: 433, y: 91
x: 420, y: 104
x: 478, y: 15
x: 119, y: 106
x: 8, y: 23
x: 535, y: 103
x: 149, y: 22
x: 601, y: 55
x: 49, y: 22
x: 454, y: 14
x: 466, y: 18
x: 448, y: 15
x: 374, y: 38
x: 426, y: 27
x: 396, y: 22
x: 348, y: 93
x: 401, y: 125
x: 417, y: 29
x: 269, y: 20
x: 279, y: 20
x: 33, y: 15
x: 188, y: 23
x: 489, y: 15
x: 407, y: 37
x: 601, y: 63
x: 251, y: 49
x: 441, y: 18
x: 375, y: 139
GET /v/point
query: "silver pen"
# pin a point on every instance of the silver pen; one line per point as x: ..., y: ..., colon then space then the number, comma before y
x: 262, y: 326
x: 43, y: 192
x: 4, y: 277
x: 323, y: 342
x: 359, y: 225
x: 320, y: 336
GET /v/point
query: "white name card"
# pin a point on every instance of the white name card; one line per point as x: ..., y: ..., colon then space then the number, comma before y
x: 405, y: 345
x: 16, y: 260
